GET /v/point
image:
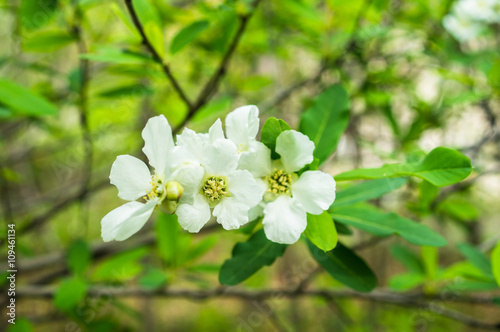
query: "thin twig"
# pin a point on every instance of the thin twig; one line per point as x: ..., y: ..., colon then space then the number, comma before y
x: 213, y: 83
x: 156, y: 56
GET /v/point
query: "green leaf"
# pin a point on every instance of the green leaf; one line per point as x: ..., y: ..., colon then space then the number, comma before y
x: 494, y: 75
x: 187, y: 35
x: 495, y: 263
x: 126, y: 91
x: 406, y: 281
x: 476, y: 257
x: 321, y: 231
x: 441, y: 167
x: 430, y: 261
x: 22, y: 101
x: 153, y: 279
x: 79, y: 257
x: 69, y: 293
x: 200, y: 249
x: 48, y: 41
x: 459, y: 208
x: 120, y: 267
x: 249, y: 257
x: 270, y: 131
x: 344, y: 265
x: 408, y: 258
x: 172, y: 243
x: 36, y: 13
x: 367, y: 190
x: 326, y: 120
x: 151, y: 22
x: 112, y: 55
x: 21, y: 325
x: 381, y: 223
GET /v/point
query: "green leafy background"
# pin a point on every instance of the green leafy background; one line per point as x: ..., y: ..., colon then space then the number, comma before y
x: 402, y: 115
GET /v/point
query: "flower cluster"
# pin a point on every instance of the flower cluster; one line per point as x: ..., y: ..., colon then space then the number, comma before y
x: 230, y: 176
x: 469, y: 17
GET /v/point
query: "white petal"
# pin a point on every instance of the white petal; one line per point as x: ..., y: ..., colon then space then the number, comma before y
x: 126, y: 220
x: 131, y: 176
x: 215, y: 132
x: 190, y: 179
x: 159, y: 144
x: 295, y: 149
x: 284, y: 220
x: 242, y: 125
x: 231, y: 213
x: 256, y: 212
x: 315, y: 190
x: 243, y: 187
x: 190, y: 146
x: 221, y: 157
x: 257, y: 160
x: 192, y: 217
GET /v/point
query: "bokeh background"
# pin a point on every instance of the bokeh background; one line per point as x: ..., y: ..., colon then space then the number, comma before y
x: 412, y: 87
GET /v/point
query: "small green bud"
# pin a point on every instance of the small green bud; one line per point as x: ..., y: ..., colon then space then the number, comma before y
x: 169, y: 207
x: 174, y: 191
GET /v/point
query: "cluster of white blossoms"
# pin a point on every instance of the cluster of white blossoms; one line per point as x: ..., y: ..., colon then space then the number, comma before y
x: 231, y: 177
x: 469, y: 17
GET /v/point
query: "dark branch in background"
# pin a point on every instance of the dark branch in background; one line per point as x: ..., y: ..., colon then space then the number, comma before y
x: 156, y: 56
x: 421, y: 301
x: 211, y: 86
x: 56, y: 208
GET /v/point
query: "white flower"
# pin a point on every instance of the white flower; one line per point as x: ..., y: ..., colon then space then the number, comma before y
x: 225, y: 189
x: 242, y: 126
x: 478, y: 10
x: 462, y: 28
x: 289, y: 197
x: 134, y: 180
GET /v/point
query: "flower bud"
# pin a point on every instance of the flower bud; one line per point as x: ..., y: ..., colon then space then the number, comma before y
x: 174, y: 191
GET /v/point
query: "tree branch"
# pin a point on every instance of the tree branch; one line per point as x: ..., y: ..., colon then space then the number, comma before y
x: 156, y: 56
x: 211, y: 86
x: 417, y: 300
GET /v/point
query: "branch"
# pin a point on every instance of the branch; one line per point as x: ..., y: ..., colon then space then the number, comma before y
x: 156, y: 56
x: 211, y: 86
x: 223, y: 292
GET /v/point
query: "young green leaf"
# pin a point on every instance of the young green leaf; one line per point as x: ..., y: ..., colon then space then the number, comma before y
x: 495, y: 263
x: 79, y: 257
x: 441, y: 167
x: 22, y: 101
x: 430, y: 261
x: 187, y: 35
x: 326, y: 120
x: 321, y: 231
x: 120, y: 267
x: 34, y: 14
x: 153, y: 279
x: 380, y: 223
x: 270, y: 131
x: 48, y: 41
x: 367, y: 190
x: 408, y: 258
x: 406, y: 281
x: 344, y: 265
x: 494, y: 76
x: 249, y: 257
x: 69, y: 293
x: 476, y: 257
